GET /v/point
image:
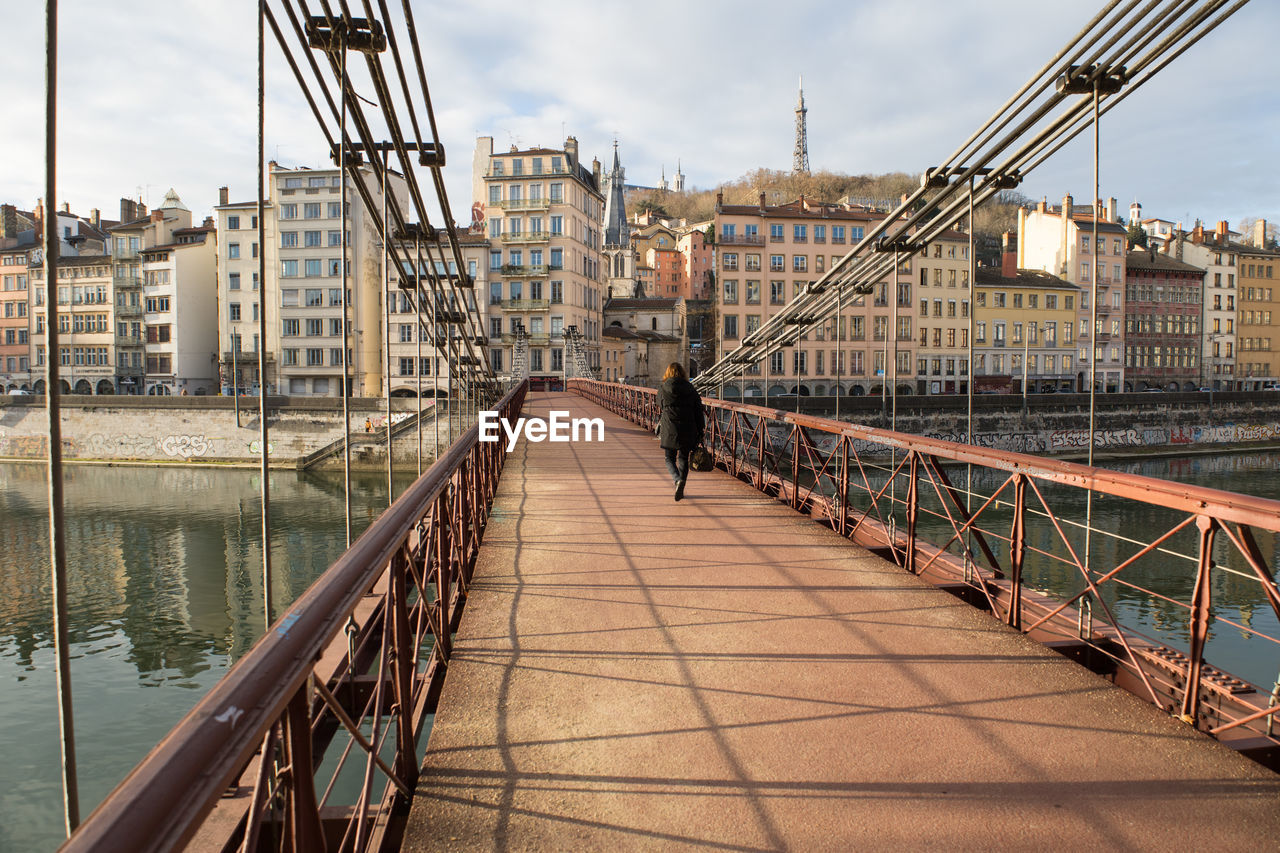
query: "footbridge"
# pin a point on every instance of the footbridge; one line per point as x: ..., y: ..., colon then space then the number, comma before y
x: 542, y: 649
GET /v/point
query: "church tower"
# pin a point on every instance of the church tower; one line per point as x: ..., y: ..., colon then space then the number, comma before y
x: 618, y: 259
x: 679, y: 178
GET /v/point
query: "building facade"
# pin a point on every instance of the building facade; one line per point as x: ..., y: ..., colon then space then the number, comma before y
x: 1258, y: 354
x: 1059, y: 241
x: 179, y: 292
x: 1024, y: 332
x: 302, y: 294
x: 766, y: 254
x: 542, y: 212
x: 1164, y: 303
x: 1216, y: 254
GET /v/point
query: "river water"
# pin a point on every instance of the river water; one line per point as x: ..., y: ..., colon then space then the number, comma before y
x: 165, y: 592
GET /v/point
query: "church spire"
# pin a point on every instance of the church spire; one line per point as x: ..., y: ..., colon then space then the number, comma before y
x: 616, y: 231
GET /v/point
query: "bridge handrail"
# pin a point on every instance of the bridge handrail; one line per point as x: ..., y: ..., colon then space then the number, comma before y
x: 813, y: 480
x: 161, y: 804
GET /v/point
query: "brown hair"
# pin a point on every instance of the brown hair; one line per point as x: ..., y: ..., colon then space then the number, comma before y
x: 675, y: 369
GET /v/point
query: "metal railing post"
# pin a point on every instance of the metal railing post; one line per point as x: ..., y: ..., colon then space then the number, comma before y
x: 913, y: 510
x: 1018, y: 549
x: 304, y: 832
x: 403, y: 666
x: 1198, y: 627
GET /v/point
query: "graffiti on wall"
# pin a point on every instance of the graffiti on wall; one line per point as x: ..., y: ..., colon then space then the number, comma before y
x: 255, y: 447
x: 185, y: 446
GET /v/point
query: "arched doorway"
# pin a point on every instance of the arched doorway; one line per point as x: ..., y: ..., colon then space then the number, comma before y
x: 38, y: 388
x: 105, y: 387
x: 158, y: 391
x: 83, y: 387
x: 776, y: 390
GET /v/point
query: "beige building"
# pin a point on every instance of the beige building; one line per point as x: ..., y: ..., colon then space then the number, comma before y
x: 302, y: 294
x: 766, y: 254
x: 651, y: 334
x: 1258, y: 312
x: 1058, y: 240
x: 1216, y: 253
x: 1024, y: 327
x: 406, y: 334
x: 542, y: 212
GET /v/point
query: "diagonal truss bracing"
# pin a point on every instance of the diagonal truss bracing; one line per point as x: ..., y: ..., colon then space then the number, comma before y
x: 1126, y: 44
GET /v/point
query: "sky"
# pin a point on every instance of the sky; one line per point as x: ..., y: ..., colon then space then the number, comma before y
x: 156, y: 94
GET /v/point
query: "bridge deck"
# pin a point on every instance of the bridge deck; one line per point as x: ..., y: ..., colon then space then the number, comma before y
x: 635, y: 673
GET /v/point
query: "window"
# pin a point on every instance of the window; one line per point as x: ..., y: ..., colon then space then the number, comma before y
x: 288, y: 211
x: 777, y: 292
x: 729, y: 261
x: 289, y: 269
x: 406, y: 366
x: 776, y: 233
x: 731, y: 327
x: 290, y: 358
x: 819, y: 236
x: 837, y: 233
x: 311, y: 238
x: 406, y: 333
x: 753, y: 292
x: 233, y: 281
x: 312, y: 266
x: 234, y: 309
x: 314, y: 297
x: 799, y: 263
x: 731, y: 291
x: 335, y: 238
x: 799, y: 233
x: 557, y: 224
x: 311, y: 210
x: 315, y: 357
x: 335, y: 210
x: 777, y: 263
x: 233, y: 250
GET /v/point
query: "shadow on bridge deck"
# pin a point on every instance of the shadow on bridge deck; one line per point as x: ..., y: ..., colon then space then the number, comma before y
x: 635, y: 673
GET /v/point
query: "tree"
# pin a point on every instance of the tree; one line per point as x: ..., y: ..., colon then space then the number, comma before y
x: 1137, y: 237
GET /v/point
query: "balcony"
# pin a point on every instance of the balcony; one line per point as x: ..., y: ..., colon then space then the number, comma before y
x: 245, y: 357
x: 527, y: 305
x: 523, y: 271
x: 527, y: 237
x: 124, y: 254
x: 740, y: 240
x: 120, y: 280
x: 525, y: 204
x: 128, y: 310
x: 541, y: 339
x: 128, y: 340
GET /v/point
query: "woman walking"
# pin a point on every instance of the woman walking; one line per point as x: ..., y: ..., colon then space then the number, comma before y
x: 680, y: 424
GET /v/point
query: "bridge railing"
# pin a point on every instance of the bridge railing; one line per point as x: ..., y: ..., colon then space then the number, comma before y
x: 1144, y: 602
x: 310, y: 742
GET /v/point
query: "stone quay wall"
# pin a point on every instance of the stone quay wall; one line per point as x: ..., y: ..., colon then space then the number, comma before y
x: 195, y: 430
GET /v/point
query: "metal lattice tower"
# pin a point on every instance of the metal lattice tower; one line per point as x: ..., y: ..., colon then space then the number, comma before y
x: 520, y: 356
x: 800, y: 163
x: 577, y: 355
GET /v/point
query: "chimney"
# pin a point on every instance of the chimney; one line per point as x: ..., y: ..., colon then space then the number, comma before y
x: 571, y: 150
x: 595, y: 169
x: 142, y: 210
x: 1221, y: 232
x: 1260, y: 233
x: 1197, y: 236
x: 1113, y: 210
x: 1022, y: 229
x: 224, y: 195
x: 208, y: 222
x: 1042, y: 205
x: 128, y: 210
x: 1009, y: 257
x: 1067, y: 203
x: 8, y: 220
x: 762, y: 202
x: 66, y: 207
x: 95, y: 217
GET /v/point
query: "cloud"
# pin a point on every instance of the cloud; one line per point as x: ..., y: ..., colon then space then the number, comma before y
x: 166, y: 95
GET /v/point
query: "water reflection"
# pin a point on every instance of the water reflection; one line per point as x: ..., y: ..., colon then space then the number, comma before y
x: 164, y: 591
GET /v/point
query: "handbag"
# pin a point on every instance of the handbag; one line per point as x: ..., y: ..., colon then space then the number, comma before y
x: 700, y: 459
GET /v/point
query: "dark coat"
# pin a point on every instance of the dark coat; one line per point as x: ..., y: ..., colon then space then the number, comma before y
x: 681, y: 423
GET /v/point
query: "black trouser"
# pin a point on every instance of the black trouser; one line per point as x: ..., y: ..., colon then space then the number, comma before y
x: 677, y: 464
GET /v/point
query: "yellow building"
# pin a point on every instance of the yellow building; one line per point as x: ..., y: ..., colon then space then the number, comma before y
x: 1024, y: 325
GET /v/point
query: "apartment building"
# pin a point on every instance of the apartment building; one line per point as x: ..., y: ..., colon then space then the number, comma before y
x: 302, y: 294
x: 1024, y: 328
x: 766, y: 254
x: 87, y: 352
x: 1164, y: 302
x: 1216, y: 254
x: 542, y: 211
x: 179, y: 293
x: 697, y: 260
x: 15, y: 314
x: 1258, y: 354
x: 415, y: 361
x: 1059, y: 240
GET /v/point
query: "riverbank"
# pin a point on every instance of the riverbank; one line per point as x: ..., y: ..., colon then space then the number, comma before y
x: 209, y: 432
